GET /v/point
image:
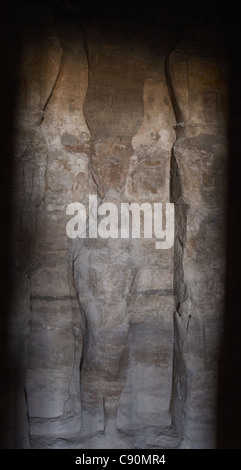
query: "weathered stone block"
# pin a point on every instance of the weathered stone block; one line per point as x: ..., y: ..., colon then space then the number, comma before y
x: 47, y: 390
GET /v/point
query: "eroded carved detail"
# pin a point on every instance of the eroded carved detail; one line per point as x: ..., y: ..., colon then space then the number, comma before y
x: 199, y: 159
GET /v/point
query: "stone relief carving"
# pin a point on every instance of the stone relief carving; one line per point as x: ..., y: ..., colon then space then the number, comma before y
x: 100, y: 359
x: 50, y: 129
x: 199, y: 154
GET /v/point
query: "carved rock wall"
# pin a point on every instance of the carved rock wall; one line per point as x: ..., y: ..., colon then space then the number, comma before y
x: 118, y: 341
x: 199, y: 182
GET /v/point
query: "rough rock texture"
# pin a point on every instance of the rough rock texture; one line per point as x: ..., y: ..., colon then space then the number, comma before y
x: 118, y: 341
x: 199, y: 169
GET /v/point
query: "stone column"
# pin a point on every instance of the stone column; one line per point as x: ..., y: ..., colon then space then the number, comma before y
x: 35, y: 81
x: 51, y: 171
x: 198, y: 189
